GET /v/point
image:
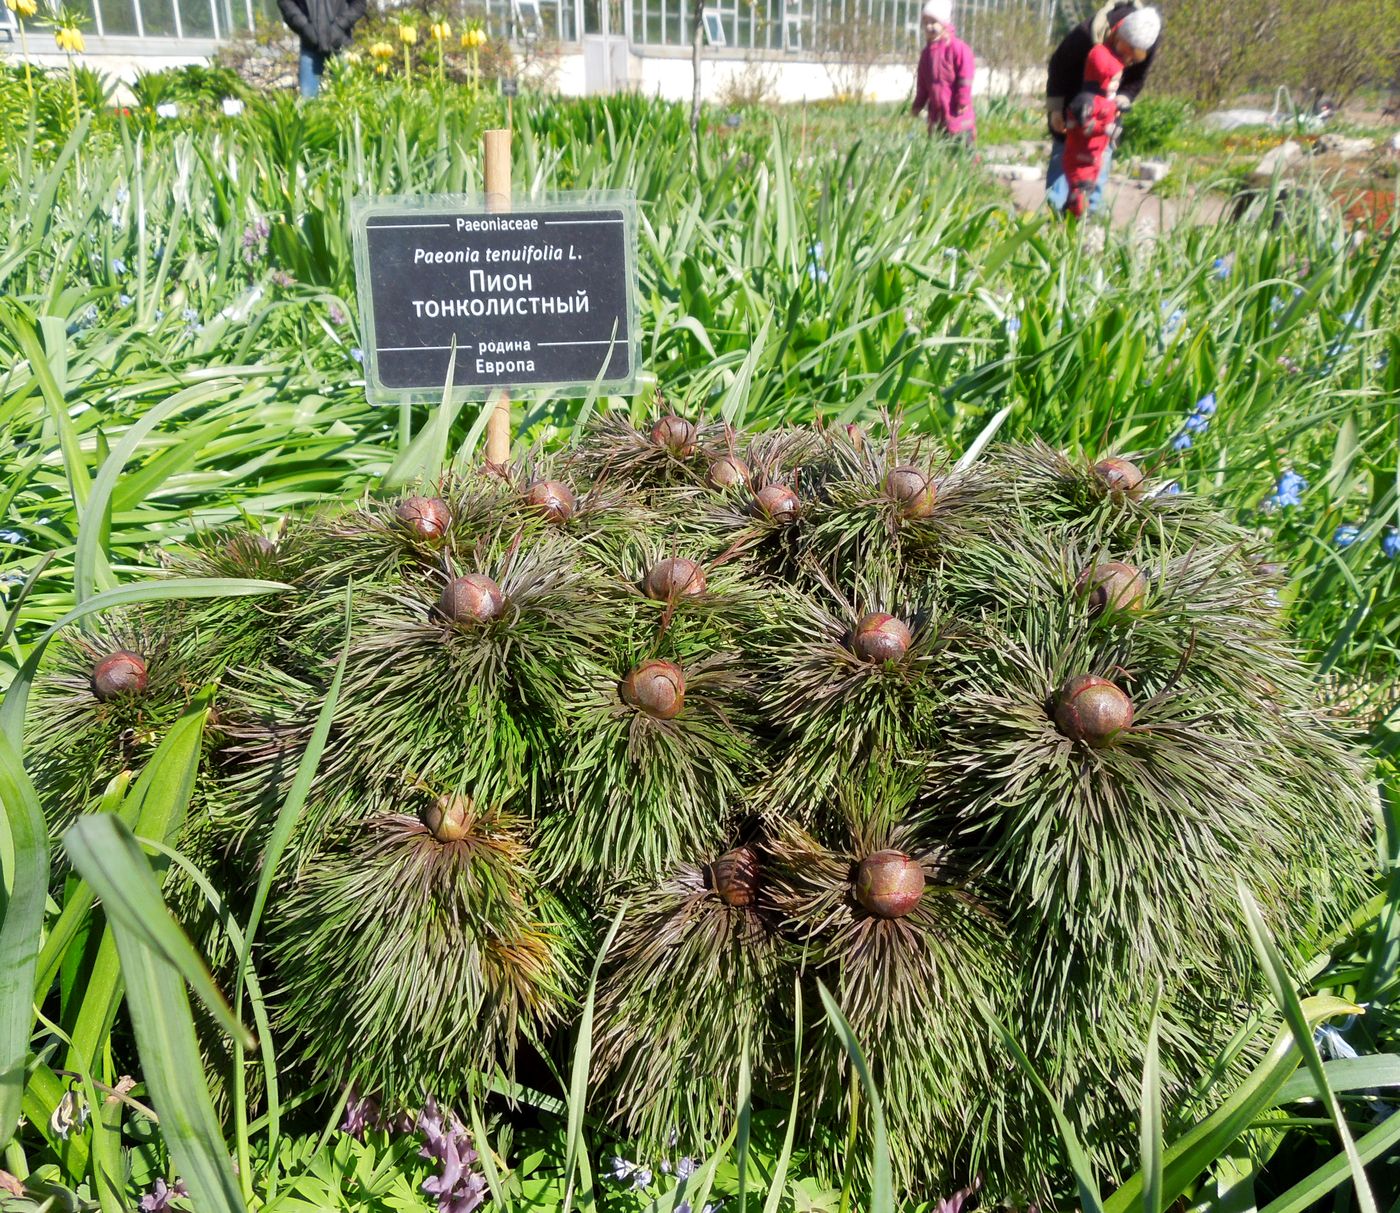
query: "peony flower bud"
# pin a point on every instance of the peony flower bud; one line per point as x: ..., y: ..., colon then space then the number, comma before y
x: 676, y: 434
x: 426, y: 517
x: 673, y: 578
x: 656, y: 688
x: 1121, y: 476
x: 727, y: 471
x: 118, y: 674
x: 449, y: 818
x: 1092, y: 710
x: 734, y: 876
x: 554, y: 499
x: 913, y: 490
x: 889, y: 883
x: 879, y: 637
x: 474, y: 598
x: 778, y: 502
x: 1112, y: 586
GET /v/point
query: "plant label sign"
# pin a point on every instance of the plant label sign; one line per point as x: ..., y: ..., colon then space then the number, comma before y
x: 458, y: 300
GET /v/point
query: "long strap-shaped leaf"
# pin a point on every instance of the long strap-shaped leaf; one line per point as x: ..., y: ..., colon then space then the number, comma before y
x: 157, y: 959
x: 17, y: 694
x: 1191, y: 1154
x: 24, y: 856
x: 882, y: 1175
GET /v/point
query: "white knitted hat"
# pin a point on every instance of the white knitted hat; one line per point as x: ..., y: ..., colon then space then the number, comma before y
x: 1140, y: 28
x: 940, y: 10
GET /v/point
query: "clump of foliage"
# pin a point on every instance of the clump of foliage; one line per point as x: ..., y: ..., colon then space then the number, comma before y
x: 963, y: 743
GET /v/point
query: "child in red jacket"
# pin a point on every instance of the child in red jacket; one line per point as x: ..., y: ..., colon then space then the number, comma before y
x: 1092, y: 126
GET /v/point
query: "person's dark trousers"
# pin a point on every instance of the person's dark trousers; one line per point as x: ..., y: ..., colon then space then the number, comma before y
x: 313, y: 63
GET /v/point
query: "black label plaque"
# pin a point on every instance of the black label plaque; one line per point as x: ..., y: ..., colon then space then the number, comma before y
x: 531, y: 298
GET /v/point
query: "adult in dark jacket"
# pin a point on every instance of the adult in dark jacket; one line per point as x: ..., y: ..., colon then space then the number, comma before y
x: 1133, y: 32
x: 324, y: 27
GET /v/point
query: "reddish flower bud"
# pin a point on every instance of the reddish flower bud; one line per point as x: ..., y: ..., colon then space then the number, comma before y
x: 656, y: 688
x: 449, y: 818
x: 426, y: 517
x: 778, y: 502
x: 674, y: 578
x: 734, y: 877
x: 676, y: 434
x: 1113, y: 586
x: 1121, y: 476
x: 553, y: 498
x: 727, y: 471
x: 880, y: 637
x: 474, y: 598
x: 117, y: 674
x: 1092, y: 710
x: 889, y: 883
x: 913, y: 490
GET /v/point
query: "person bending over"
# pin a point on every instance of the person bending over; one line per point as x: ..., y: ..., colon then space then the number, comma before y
x: 1133, y: 32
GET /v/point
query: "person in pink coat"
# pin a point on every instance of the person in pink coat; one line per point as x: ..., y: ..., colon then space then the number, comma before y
x: 944, y: 79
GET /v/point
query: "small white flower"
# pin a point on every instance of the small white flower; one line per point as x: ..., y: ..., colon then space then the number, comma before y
x: 232, y: 106
x: 167, y: 109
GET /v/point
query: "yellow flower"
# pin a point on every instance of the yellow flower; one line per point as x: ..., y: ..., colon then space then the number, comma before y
x: 382, y: 50
x: 440, y: 30
x: 408, y: 34
x: 69, y: 39
x: 381, y: 69
x: 352, y: 58
x: 25, y: 8
x: 480, y: 36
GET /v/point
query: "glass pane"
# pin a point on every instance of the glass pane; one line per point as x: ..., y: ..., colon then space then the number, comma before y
x: 118, y: 16
x: 159, y: 18
x: 196, y: 16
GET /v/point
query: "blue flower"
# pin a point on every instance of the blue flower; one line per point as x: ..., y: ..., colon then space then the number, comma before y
x: 1346, y: 535
x: 620, y: 1169
x: 642, y: 1178
x: 1223, y: 265
x: 1182, y: 442
x: 817, y: 274
x: 1013, y: 325
x: 357, y: 354
x: 685, y: 1168
x: 1170, y: 490
x: 11, y: 537
x: 1173, y: 322
x: 1353, y: 317
x: 1205, y: 406
x: 122, y: 195
x: 817, y: 251
x: 1390, y: 543
x: 1289, y: 490
x: 118, y: 265
x: 190, y: 316
x: 1197, y: 423
x: 124, y: 300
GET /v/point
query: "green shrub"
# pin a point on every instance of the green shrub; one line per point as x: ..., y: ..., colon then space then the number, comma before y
x: 193, y: 84
x: 1153, y: 122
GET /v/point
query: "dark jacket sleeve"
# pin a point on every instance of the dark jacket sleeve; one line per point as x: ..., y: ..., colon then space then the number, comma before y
x: 350, y: 13
x: 296, y: 17
x: 1065, y: 78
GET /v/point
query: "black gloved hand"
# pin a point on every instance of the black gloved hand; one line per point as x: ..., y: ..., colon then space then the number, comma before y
x: 1082, y: 107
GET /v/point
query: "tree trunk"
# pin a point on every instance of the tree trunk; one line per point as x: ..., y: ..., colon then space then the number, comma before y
x: 697, y: 38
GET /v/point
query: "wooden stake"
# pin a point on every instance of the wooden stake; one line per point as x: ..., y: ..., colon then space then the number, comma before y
x: 498, y: 200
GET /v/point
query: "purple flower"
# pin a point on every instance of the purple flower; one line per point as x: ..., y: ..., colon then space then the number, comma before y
x: 459, y: 1189
x: 282, y: 278
x: 337, y: 317
x: 1390, y: 543
x: 955, y: 1202
x: 1205, y: 406
x: 361, y: 1112
x: 685, y: 1168
x: 1346, y: 535
x: 159, y: 1198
